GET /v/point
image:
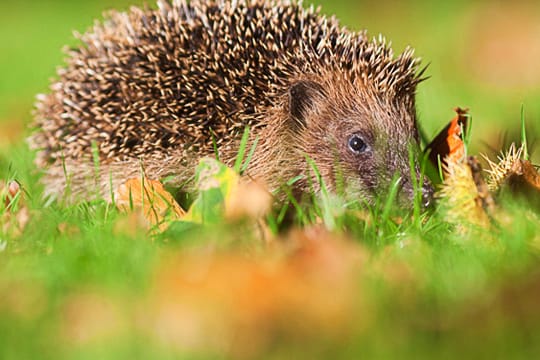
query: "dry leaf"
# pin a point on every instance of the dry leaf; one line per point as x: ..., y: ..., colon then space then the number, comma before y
x: 215, y: 183
x: 521, y: 176
x: 158, y: 206
x: 16, y: 214
x: 484, y: 198
x: 448, y: 145
x: 248, y: 200
x: 10, y: 193
x: 525, y: 177
x: 132, y: 223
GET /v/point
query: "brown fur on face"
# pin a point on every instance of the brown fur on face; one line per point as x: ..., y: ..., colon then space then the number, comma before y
x: 317, y: 119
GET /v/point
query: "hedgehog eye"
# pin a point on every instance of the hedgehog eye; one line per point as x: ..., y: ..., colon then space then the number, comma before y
x: 357, y: 145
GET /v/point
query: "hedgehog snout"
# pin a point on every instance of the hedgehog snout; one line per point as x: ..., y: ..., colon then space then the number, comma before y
x: 407, y: 193
x: 427, y: 193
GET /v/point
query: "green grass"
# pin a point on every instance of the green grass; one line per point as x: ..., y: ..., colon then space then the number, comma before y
x: 433, y: 289
x: 84, y: 281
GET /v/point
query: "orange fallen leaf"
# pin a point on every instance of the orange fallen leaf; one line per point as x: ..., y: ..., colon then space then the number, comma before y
x: 448, y: 145
x: 132, y: 224
x: 158, y: 205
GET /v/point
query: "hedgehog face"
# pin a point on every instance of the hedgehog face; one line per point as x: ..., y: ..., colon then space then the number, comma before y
x: 359, y: 147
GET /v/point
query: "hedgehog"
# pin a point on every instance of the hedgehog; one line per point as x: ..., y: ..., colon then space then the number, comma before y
x: 157, y: 89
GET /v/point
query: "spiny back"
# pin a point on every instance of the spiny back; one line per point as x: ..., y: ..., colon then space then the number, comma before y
x: 175, y: 77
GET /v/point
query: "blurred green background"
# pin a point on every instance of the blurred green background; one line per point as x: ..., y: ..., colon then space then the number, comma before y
x: 482, y: 54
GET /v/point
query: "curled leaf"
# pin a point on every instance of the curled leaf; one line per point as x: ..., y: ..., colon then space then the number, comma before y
x: 15, y: 214
x: 215, y: 183
x: 448, y: 145
x: 158, y: 206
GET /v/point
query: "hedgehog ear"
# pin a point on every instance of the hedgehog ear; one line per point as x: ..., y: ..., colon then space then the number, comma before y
x: 303, y: 96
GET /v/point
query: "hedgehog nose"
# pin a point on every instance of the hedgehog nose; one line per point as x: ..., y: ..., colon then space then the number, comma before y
x: 409, y: 193
x: 427, y: 194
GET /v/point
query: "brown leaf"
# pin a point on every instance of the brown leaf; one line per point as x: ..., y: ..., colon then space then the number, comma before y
x: 526, y: 175
x: 158, y: 206
x: 11, y: 191
x: 484, y: 198
x: 132, y: 223
x: 448, y: 145
x: 16, y: 214
x: 248, y: 200
x: 521, y: 176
